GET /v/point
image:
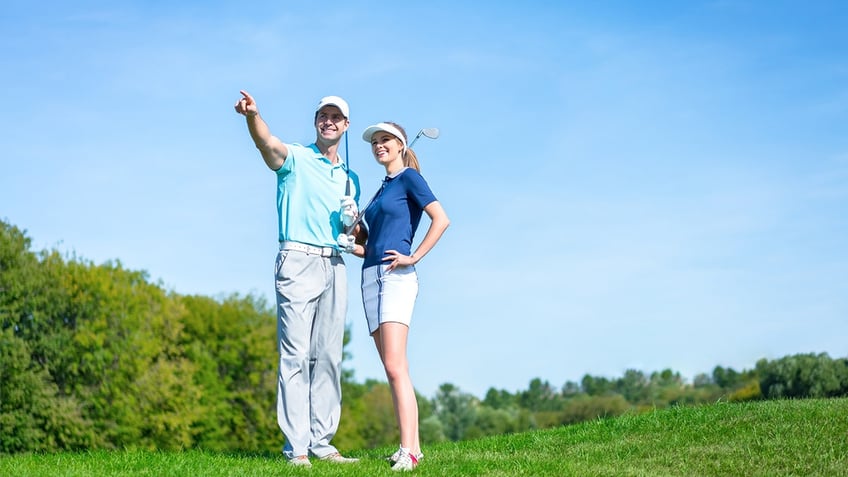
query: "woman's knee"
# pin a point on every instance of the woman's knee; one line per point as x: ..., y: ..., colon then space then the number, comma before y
x: 396, y: 369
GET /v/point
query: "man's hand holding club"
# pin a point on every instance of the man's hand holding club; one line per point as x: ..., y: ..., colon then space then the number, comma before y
x: 348, y: 212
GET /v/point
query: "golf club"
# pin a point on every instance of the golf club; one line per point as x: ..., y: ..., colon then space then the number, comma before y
x: 432, y: 133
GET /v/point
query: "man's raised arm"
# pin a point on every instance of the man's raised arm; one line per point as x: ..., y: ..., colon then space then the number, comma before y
x: 274, y: 152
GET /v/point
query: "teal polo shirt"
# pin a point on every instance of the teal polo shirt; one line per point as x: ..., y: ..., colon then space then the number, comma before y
x: 309, y: 192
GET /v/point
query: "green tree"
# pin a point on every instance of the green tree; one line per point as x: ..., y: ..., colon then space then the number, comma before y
x: 379, y: 425
x: 596, y: 386
x: 667, y: 387
x: 491, y: 422
x: 455, y: 409
x: 232, y: 345
x: 727, y: 378
x: 571, y: 389
x: 33, y: 417
x: 126, y: 335
x: 633, y: 386
x: 540, y: 396
x: 803, y: 375
x: 129, y: 364
x: 431, y: 430
x: 499, y: 399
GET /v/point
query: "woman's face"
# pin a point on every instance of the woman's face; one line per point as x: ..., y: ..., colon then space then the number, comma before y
x: 385, y: 147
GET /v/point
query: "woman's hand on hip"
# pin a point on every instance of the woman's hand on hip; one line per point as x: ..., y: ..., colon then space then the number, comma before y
x: 396, y: 259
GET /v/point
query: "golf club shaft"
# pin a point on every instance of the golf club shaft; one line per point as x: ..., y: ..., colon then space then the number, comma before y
x: 347, y: 166
x: 413, y: 141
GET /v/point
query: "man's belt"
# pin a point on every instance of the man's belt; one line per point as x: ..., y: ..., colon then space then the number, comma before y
x: 310, y: 249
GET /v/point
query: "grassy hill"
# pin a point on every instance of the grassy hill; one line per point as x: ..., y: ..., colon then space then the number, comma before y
x: 769, y: 438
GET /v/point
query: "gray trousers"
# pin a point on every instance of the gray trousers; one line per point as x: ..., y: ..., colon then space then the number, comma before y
x: 311, y: 308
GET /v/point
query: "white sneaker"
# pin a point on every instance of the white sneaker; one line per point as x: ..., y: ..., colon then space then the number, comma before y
x: 394, y: 457
x: 406, y: 462
x: 300, y: 461
x: 337, y: 458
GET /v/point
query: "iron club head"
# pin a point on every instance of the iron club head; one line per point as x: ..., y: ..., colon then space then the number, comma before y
x: 431, y: 133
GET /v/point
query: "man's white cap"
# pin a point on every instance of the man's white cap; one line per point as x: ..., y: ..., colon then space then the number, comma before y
x: 334, y: 101
x: 368, y: 133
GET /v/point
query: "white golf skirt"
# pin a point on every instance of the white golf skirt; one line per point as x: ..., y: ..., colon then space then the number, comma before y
x: 388, y: 296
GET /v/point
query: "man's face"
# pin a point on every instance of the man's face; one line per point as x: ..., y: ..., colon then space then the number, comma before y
x: 330, y: 123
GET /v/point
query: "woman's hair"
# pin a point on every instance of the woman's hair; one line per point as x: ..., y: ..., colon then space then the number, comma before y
x: 409, y: 157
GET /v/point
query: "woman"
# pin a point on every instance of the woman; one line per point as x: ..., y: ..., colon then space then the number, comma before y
x: 389, y: 279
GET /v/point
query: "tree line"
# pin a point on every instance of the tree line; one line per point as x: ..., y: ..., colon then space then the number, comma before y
x: 99, y: 357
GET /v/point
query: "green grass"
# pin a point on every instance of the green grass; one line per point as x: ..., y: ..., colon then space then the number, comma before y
x: 771, y: 438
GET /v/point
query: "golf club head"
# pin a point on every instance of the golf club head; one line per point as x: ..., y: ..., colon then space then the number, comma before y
x: 431, y: 133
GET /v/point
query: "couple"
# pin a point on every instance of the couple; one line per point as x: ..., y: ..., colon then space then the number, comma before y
x: 317, y: 219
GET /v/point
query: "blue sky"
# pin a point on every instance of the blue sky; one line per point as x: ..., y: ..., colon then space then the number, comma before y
x: 631, y: 185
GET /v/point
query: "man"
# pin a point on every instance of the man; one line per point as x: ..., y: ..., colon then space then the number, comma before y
x: 311, y: 281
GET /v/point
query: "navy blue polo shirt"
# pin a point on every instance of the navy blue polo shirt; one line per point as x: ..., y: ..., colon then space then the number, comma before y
x: 393, y: 217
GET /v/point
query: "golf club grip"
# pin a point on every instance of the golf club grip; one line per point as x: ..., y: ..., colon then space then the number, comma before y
x: 356, y: 222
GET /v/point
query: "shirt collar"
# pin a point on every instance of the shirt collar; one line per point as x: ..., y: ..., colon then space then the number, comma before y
x: 324, y: 158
